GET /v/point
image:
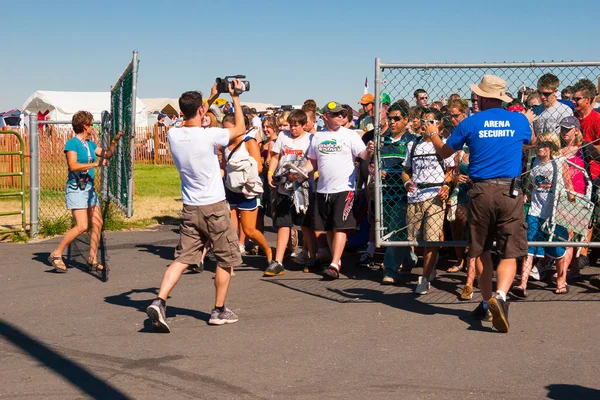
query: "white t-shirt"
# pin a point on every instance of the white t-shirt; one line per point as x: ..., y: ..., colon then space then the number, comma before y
x: 544, y: 186
x: 257, y: 122
x: 426, y: 169
x: 549, y: 119
x: 195, y: 156
x: 335, y: 153
x: 290, y: 149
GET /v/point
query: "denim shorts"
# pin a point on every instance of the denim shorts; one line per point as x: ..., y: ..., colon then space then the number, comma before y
x: 536, y: 234
x: 78, y: 199
x: 239, y: 201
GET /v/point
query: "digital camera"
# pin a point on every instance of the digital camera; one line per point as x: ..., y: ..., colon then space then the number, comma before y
x: 223, y: 84
x: 82, y: 180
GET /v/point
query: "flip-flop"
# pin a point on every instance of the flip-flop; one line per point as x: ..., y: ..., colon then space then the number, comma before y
x: 57, y: 262
x: 519, y: 292
x: 562, y: 290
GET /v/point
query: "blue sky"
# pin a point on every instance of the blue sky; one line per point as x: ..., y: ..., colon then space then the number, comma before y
x: 290, y: 51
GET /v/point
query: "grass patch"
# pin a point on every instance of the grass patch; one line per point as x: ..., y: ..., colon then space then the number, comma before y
x: 19, y: 238
x: 53, y: 227
x: 156, y: 181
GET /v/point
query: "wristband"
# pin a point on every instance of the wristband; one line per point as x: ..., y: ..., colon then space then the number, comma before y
x: 270, y: 172
x: 447, y: 187
x: 406, y: 183
x: 114, y: 141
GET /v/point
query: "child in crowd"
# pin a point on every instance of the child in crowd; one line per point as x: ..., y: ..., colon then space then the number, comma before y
x: 290, y: 203
x: 549, y: 175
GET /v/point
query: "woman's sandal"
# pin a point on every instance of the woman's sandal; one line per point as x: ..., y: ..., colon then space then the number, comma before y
x: 102, y: 273
x: 519, y: 292
x: 455, y: 268
x: 562, y: 289
x: 58, y: 264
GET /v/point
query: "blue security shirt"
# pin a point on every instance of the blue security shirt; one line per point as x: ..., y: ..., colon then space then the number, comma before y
x: 75, y: 145
x: 495, y: 138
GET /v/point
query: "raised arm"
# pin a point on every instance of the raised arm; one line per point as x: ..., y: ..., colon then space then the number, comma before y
x: 110, y: 151
x: 240, y: 128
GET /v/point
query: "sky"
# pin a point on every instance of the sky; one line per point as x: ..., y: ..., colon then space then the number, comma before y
x: 290, y: 51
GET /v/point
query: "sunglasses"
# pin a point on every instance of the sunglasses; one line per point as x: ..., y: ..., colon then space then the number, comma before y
x: 473, y: 100
x: 455, y: 115
x: 423, y: 98
x: 543, y: 145
x: 395, y: 118
x: 430, y: 121
x: 338, y: 114
x: 564, y: 129
x: 576, y: 99
x: 546, y: 94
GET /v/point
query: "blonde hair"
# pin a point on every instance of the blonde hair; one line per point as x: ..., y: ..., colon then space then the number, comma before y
x: 283, y: 118
x: 578, y: 137
x: 553, y: 140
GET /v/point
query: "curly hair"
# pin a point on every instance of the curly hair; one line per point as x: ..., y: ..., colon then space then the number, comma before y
x: 81, y: 118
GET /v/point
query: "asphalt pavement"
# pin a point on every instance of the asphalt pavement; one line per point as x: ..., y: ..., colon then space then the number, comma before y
x: 67, y: 336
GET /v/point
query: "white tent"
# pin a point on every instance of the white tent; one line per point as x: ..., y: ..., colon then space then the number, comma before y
x: 62, y: 105
x: 164, y: 105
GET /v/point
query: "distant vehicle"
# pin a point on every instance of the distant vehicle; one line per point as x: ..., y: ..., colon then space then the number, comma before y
x: 10, y: 118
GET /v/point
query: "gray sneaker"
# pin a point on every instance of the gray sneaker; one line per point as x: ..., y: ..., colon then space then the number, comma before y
x: 157, y: 314
x: 222, y: 318
x: 274, y: 269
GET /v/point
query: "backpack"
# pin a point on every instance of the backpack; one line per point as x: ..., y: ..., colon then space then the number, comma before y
x: 440, y: 160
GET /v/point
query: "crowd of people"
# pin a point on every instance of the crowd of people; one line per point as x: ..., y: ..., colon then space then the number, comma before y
x: 465, y: 170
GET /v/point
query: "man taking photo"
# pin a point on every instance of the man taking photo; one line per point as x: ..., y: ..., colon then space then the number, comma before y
x: 205, y: 216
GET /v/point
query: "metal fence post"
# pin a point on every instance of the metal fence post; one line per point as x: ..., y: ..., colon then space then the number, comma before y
x: 377, y: 140
x: 34, y: 174
x: 129, y: 213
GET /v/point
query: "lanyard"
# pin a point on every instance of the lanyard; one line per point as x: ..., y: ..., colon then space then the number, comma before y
x: 84, y: 143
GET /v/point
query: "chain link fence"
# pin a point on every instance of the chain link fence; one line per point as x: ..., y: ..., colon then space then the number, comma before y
x: 117, y: 177
x: 422, y: 200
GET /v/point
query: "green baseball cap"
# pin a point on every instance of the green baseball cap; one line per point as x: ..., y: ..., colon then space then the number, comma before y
x: 385, y: 98
x: 333, y: 106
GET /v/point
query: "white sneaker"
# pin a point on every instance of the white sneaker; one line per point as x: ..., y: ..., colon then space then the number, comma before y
x: 423, y: 286
x: 534, y: 274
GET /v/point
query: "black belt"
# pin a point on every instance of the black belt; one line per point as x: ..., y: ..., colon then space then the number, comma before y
x: 498, y: 181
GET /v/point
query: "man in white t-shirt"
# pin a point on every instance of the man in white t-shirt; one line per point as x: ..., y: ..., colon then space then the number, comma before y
x: 205, y: 216
x: 554, y: 111
x: 333, y: 152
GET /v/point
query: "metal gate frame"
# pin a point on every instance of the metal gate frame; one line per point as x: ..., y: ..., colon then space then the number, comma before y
x: 379, y: 67
x: 21, y: 175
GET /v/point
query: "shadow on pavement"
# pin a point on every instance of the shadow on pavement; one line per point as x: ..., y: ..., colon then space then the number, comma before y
x: 164, y: 252
x: 76, y: 374
x: 69, y: 262
x: 125, y: 300
x: 410, y: 302
x: 568, y: 392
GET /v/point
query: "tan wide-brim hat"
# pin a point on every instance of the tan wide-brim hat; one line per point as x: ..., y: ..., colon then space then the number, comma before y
x: 491, y: 87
